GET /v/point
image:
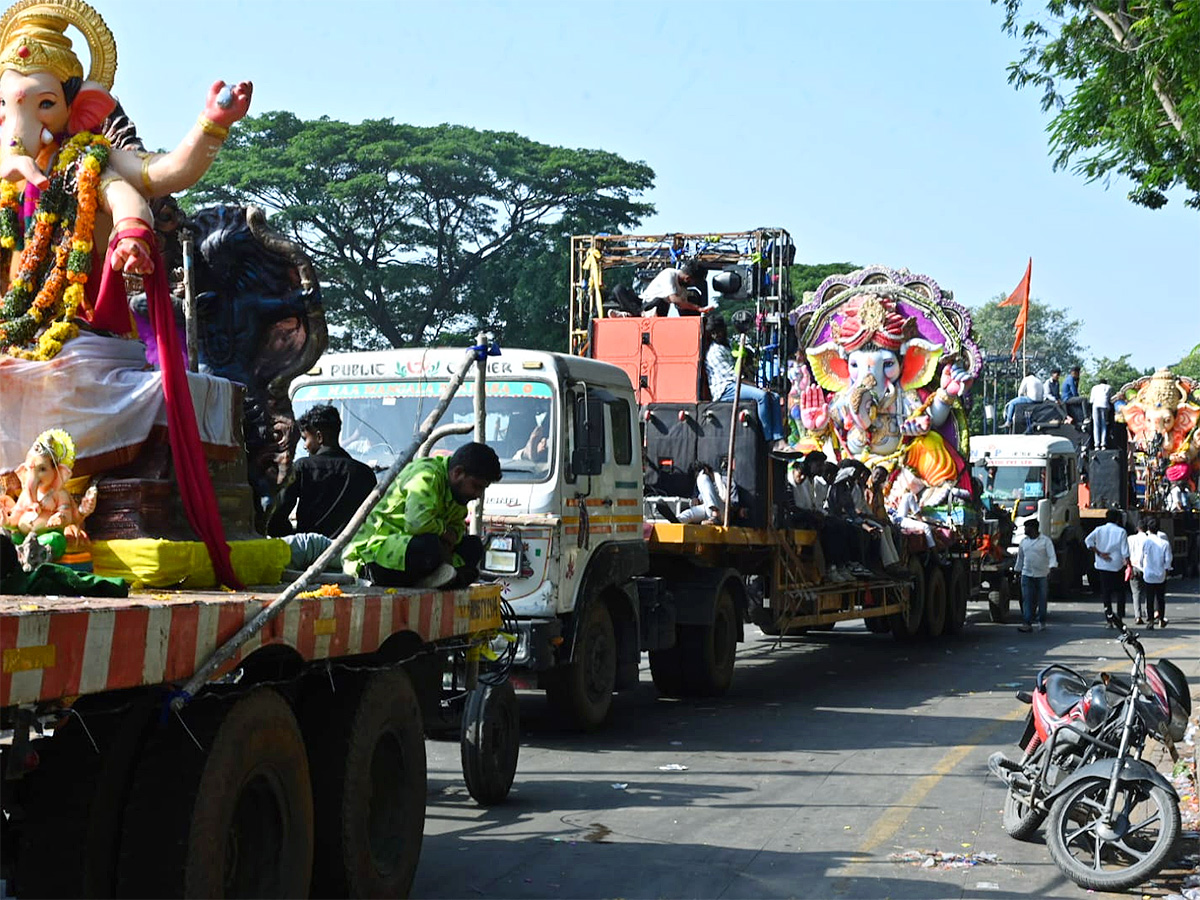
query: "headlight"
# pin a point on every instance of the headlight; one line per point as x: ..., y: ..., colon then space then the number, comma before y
x: 502, y: 554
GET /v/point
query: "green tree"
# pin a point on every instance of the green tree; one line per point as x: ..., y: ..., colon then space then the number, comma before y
x: 808, y: 278
x: 403, y: 222
x: 1051, y: 336
x: 1123, y: 80
x: 1189, y: 365
x: 1116, y: 371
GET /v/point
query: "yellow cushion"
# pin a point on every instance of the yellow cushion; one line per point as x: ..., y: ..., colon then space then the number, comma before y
x: 147, y: 562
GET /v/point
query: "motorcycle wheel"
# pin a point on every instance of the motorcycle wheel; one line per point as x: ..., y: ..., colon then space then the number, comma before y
x: 1147, y: 826
x: 1020, y: 819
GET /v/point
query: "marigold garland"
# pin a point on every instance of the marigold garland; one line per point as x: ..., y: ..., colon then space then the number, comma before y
x: 65, y: 222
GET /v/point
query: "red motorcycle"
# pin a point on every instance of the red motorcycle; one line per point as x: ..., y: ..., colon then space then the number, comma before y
x: 1114, y: 819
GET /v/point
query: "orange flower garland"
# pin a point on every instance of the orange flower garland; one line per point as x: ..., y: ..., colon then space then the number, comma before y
x: 60, y: 281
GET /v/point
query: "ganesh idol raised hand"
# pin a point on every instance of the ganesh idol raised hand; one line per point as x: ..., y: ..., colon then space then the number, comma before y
x: 45, y: 101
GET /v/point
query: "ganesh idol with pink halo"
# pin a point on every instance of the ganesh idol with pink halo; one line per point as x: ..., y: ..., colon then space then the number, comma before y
x: 887, y: 362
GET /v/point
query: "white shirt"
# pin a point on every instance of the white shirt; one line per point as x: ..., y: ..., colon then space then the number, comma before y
x: 1035, y: 556
x: 1032, y: 387
x: 665, y: 286
x: 1109, y: 538
x: 1099, y: 395
x: 1156, y: 558
x: 1135, y: 548
x: 811, y: 493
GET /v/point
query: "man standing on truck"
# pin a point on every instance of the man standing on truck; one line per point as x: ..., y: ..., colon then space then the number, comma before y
x: 1035, y: 559
x: 1110, y: 544
x: 416, y: 536
x: 329, y: 484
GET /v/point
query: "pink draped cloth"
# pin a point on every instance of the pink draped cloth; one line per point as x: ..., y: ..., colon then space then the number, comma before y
x: 111, y: 312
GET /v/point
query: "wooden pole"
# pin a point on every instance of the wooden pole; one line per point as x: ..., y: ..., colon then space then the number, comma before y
x: 733, y: 422
x: 226, y: 651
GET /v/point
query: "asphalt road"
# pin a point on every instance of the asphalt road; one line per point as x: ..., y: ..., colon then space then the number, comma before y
x: 829, y: 754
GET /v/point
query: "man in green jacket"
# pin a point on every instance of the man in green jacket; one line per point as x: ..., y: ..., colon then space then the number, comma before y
x: 416, y: 535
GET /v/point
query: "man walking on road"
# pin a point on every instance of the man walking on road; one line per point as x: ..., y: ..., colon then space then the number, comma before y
x: 1156, y: 563
x: 1110, y: 544
x: 1035, y: 559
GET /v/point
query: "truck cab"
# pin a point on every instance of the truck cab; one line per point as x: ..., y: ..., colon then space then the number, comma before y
x: 562, y: 529
x: 1034, y: 477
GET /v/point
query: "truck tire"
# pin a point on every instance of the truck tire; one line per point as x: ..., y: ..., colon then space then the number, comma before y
x: 956, y: 599
x: 491, y: 742
x: 235, y: 821
x: 998, y: 608
x: 366, y: 752
x: 907, y: 623
x: 708, y: 652
x: 581, y: 691
x: 936, y: 607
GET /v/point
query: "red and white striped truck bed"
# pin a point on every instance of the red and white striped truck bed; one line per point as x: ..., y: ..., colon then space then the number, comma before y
x: 58, y: 648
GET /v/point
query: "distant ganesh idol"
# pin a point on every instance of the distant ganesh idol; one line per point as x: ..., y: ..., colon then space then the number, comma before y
x: 69, y: 197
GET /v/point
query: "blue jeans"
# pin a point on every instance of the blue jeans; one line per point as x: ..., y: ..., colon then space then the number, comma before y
x: 1034, y: 591
x: 769, y: 412
x: 1099, y: 427
x: 1012, y: 405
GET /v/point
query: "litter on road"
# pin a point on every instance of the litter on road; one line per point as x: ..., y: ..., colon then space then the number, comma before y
x: 672, y: 767
x: 930, y: 859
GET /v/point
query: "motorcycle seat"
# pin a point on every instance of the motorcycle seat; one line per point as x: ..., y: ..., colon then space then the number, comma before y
x: 1063, y: 690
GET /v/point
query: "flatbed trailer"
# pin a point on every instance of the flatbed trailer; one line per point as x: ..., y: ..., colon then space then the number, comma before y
x: 271, y: 778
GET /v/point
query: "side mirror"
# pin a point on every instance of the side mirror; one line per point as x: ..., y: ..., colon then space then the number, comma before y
x: 587, y: 461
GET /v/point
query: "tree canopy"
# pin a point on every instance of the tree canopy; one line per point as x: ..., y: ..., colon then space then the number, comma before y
x: 1189, y: 365
x: 420, y: 233
x: 1123, y: 79
x: 1116, y: 372
x: 1052, y: 338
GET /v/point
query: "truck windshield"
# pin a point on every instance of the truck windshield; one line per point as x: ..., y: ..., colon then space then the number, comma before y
x: 380, y: 419
x: 1012, y: 481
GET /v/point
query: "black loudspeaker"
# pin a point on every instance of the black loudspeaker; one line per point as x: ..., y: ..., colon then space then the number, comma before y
x: 671, y: 450
x: 1107, y: 479
x: 749, y: 454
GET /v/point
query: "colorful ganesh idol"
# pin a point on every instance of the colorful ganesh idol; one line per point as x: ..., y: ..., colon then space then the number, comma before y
x: 66, y: 194
x: 887, y: 361
x: 1162, y: 413
x: 45, y: 510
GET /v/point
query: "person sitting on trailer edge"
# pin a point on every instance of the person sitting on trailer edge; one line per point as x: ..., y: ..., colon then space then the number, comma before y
x: 416, y: 536
x: 327, y: 487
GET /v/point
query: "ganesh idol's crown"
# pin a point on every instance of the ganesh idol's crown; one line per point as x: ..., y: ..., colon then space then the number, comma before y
x: 33, y: 39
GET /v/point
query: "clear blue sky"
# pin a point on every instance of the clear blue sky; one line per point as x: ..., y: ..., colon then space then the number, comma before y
x: 876, y: 132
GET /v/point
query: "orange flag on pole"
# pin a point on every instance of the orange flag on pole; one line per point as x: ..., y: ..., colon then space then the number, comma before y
x: 1020, y: 297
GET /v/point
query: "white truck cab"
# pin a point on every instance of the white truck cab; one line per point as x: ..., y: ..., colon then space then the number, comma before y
x: 563, y: 527
x: 1034, y: 476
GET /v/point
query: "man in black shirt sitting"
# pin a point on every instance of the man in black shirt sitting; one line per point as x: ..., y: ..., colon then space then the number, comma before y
x: 328, y: 484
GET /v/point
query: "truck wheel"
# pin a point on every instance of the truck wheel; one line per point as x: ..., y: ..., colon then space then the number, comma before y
x: 935, y: 602
x: 957, y: 599
x: 708, y: 651
x: 367, y: 758
x: 998, y: 608
x: 906, y: 623
x: 581, y: 691
x: 235, y: 821
x: 491, y: 742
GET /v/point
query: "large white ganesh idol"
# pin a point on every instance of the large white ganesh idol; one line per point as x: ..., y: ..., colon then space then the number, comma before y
x: 887, y: 362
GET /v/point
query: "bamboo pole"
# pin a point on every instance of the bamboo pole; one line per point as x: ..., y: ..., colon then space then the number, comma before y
x: 733, y: 419
x: 226, y: 651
